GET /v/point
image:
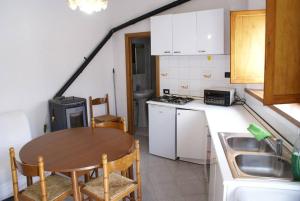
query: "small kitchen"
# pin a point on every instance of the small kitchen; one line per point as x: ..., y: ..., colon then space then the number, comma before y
x: 214, y: 66
x: 170, y: 100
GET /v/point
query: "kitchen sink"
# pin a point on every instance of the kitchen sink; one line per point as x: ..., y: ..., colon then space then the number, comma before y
x: 249, y: 158
x: 264, y: 165
x: 249, y: 144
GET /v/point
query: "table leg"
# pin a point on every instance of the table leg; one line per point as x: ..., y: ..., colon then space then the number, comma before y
x: 75, y: 186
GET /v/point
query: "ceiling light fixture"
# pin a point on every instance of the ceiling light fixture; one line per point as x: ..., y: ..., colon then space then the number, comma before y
x: 88, y: 6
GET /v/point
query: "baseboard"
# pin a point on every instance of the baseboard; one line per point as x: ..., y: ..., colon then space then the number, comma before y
x: 6, y: 189
x: 197, y: 161
x: 11, y: 198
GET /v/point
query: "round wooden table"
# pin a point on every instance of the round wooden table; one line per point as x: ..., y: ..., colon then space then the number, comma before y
x: 77, y: 149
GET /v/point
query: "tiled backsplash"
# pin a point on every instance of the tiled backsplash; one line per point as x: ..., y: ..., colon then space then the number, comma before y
x: 190, y: 75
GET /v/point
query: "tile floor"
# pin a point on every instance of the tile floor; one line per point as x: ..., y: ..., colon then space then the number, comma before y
x: 168, y: 180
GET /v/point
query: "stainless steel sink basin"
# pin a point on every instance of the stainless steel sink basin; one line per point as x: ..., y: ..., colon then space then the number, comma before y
x: 248, y: 144
x: 249, y: 158
x: 263, y: 166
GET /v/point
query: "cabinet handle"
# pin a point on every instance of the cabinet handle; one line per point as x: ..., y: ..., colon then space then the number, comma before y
x: 201, y: 51
x: 178, y: 114
x: 167, y: 52
x: 177, y: 52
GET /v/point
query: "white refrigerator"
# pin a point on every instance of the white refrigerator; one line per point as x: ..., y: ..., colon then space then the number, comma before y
x: 162, y: 131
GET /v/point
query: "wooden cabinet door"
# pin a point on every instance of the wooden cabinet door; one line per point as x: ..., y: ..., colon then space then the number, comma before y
x: 184, y: 34
x: 210, y: 31
x: 161, y: 35
x: 282, y: 71
x: 247, y: 57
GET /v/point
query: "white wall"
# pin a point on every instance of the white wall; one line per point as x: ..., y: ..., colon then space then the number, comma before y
x: 42, y: 44
x: 256, y: 4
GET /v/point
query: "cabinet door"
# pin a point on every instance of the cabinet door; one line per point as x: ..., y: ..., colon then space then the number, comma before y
x: 247, y: 57
x: 161, y: 35
x: 212, y: 175
x: 162, y: 131
x: 282, y: 74
x: 184, y: 34
x: 219, y: 186
x: 216, y: 187
x: 191, y: 135
x: 210, y: 31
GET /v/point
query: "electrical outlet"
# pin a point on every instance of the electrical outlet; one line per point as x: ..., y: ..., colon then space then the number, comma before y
x: 45, y: 128
x: 166, y: 91
x: 227, y: 74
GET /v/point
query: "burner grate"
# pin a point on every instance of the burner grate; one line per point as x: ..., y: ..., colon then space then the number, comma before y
x: 173, y: 99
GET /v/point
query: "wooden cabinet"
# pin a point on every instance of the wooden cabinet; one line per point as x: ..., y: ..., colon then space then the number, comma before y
x: 184, y: 34
x: 193, y: 33
x: 247, y: 52
x: 161, y: 35
x: 210, y: 31
x: 191, y: 135
x: 282, y: 70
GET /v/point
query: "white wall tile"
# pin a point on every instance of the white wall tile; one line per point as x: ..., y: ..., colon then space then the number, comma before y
x: 194, y: 61
x: 190, y: 75
x: 195, y: 73
x: 184, y: 73
x: 164, y: 61
x: 174, y: 61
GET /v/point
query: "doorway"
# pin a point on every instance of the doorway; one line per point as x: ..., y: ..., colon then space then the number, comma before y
x: 142, y: 78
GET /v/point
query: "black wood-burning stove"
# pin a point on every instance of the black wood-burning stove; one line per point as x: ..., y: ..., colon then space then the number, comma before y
x: 67, y: 112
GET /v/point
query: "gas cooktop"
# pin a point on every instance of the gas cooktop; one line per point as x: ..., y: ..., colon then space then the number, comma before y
x: 178, y: 100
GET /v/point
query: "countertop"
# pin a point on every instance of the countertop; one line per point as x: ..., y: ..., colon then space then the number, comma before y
x: 233, y: 119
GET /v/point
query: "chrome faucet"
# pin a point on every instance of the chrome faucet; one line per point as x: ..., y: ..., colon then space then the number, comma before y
x: 276, y: 145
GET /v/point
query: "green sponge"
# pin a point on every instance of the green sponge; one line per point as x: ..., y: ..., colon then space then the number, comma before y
x: 258, y: 132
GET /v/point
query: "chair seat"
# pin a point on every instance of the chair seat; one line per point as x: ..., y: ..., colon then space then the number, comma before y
x: 118, y: 185
x: 56, y: 186
x: 105, y: 118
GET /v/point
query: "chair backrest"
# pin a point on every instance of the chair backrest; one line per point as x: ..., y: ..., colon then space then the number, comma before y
x: 98, y: 101
x: 115, y: 124
x: 121, y: 165
x: 29, y: 171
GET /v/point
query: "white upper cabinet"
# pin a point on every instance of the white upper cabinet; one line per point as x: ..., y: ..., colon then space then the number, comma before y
x: 210, y: 31
x: 184, y: 34
x: 193, y: 33
x: 161, y: 35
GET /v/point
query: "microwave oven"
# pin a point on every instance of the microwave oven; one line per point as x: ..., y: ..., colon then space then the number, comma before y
x: 219, y: 96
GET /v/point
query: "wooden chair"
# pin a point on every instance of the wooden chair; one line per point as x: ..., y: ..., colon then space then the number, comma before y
x: 103, y: 118
x: 112, y: 186
x: 121, y: 124
x: 109, y: 124
x: 51, y: 188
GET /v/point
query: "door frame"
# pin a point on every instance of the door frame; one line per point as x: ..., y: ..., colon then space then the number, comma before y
x: 129, y: 78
